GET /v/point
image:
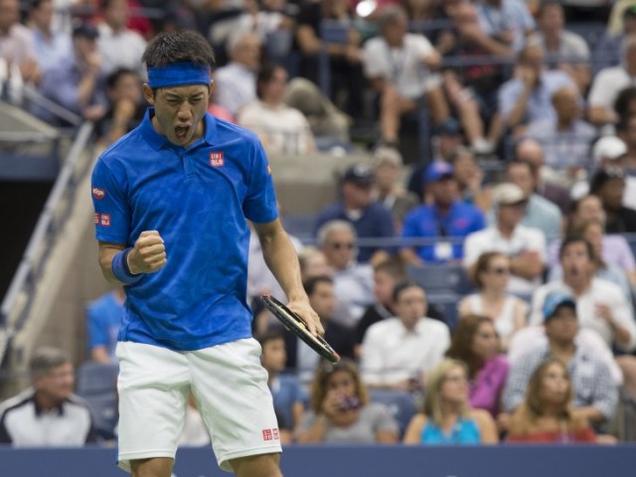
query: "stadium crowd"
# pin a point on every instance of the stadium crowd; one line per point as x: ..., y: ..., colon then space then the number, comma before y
x: 479, y: 286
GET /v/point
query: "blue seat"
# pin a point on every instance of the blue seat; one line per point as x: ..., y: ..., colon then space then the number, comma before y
x: 96, y: 378
x: 301, y: 226
x: 441, y: 278
x: 400, y: 404
x: 104, y: 409
x: 446, y: 303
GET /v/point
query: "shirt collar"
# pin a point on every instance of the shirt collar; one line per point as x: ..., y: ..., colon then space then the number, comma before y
x: 39, y: 411
x: 157, y: 140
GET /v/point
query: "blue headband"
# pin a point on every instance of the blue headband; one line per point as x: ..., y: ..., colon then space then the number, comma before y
x: 178, y: 74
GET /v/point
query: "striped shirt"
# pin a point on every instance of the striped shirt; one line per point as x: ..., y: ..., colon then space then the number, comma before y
x: 24, y: 424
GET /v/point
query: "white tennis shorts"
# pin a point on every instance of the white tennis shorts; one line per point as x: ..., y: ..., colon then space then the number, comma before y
x: 230, y: 388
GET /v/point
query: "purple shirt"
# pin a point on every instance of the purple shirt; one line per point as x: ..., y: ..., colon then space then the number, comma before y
x: 616, y: 251
x: 485, y: 390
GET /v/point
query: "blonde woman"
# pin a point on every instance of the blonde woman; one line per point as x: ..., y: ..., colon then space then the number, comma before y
x: 447, y: 418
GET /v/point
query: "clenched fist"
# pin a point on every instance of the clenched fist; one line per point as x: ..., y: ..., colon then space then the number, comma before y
x: 148, y: 255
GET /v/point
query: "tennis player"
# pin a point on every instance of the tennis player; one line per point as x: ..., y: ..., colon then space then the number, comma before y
x: 171, y: 202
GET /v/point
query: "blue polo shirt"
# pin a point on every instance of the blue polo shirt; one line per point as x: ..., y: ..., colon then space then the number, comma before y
x: 425, y: 221
x: 104, y: 320
x: 198, y: 198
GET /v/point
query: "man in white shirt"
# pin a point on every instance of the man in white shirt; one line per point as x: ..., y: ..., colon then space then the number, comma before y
x: 525, y: 246
x: 398, y: 65
x: 16, y: 41
x: 600, y: 304
x: 51, y: 46
x: 119, y: 46
x: 398, y: 352
x: 236, y: 81
x: 609, y: 82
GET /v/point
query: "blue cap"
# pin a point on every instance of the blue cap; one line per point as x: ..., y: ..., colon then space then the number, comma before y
x: 438, y: 170
x: 554, y: 300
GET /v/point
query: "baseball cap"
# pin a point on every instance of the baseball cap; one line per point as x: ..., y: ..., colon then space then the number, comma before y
x: 359, y: 174
x: 554, y: 300
x: 608, y: 147
x: 508, y: 194
x: 438, y: 170
x: 85, y: 30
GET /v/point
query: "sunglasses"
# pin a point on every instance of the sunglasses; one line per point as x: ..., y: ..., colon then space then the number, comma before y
x: 341, y: 245
x: 500, y: 271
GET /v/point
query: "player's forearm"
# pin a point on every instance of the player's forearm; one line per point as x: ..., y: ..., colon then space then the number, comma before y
x: 106, y: 255
x: 281, y: 258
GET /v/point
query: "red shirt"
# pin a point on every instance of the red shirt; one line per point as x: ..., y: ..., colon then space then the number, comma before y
x: 582, y: 435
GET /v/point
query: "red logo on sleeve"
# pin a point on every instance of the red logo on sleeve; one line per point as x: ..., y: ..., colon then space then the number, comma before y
x: 98, y: 193
x: 105, y: 220
x: 216, y: 159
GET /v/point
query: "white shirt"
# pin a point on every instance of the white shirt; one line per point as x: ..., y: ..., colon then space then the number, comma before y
x: 122, y: 49
x: 530, y: 338
x: 391, y: 353
x: 353, y: 288
x: 281, y: 129
x: 606, y: 86
x: 600, y: 292
x: 236, y: 86
x: 523, y: 239
x: 403, y: 67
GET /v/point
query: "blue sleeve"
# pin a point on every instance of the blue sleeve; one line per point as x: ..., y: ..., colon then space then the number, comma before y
x: 260, y: 202
x: 60, y: 88
x: 97, y: 332
x: 409, y: 228
x: 112, y: 213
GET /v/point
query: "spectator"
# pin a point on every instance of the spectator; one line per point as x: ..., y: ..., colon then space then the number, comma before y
x: 353, y: 281
x: 340, y: 411
x: 47, y: 414
x: 528, y: 96
x: 281, y: 129
x: 546, y: 414
x: 345, y: 57
x: 313, y: 263
x: 104, y: 317
x: 470, y: 176
x: 398, y: 353
x: 447, y: 417
x: 524, y: 246
x: 399, y: 65
x: 508, y: 313
x: 609, y: 185
x: 609, y: 151
x: 565, y: 139
x: 625, y: 104
x: 540, y: 213
x: 601, y: 305
x: 593, y: 232
x: 119, y: 46
x: 609, y: 82
x: 626, y: 130
x: 300, y: 357
x: 369, y: 218
x: 388, y: 168
x: 608, y: 51
x: 76, y: 82
x: 475, y: 342
x: 287, y: 392
x: 564, y: 50
x: 236, y: 81
x: 16, y: 41
x: 595, y: 393
x: 446, y: 218
x: 51, y: 46
x: 508, y: 20
x: 126, y: 106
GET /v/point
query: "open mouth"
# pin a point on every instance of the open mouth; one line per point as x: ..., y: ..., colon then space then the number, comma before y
x: 181, y: 132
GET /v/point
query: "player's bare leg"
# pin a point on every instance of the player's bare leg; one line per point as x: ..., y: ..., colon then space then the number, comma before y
x: 155, y: 467
x: 266, y: 465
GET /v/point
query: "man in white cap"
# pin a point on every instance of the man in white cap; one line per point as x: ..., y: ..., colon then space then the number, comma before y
x: 525, y: 246
x: 608, y: 151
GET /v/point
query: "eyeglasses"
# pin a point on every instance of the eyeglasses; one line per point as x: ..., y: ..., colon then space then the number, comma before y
x: 500, y: 271
x: 341, y: 245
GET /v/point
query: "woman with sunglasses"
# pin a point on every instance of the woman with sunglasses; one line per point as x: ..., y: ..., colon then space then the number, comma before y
x: 340, y: 411
x: 447, y: 418
x: 475, y: 342
x: 491, y: 275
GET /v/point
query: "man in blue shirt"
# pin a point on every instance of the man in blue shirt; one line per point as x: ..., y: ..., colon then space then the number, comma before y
x: 172, y: 199
x: 368, y: 217
x: 443, y: 221
x: 103, y: 319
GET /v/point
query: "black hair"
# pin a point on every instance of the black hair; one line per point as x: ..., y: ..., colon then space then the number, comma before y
x: 572, y: 239
x: 265, y: 75
x: 272, y: 334
x: 113, y: 78
x: 602, y: 176
x: 35, y: 4
x: 402, y: 286
x: 313, y: 282
x: 621, y: 106
x: 179, y: 46
x: 545, y: 4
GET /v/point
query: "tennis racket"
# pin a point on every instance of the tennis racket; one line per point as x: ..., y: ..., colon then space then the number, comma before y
x: 294, y: 323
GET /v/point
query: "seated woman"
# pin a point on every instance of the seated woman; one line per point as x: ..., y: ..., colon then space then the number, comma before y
x: 491, y: 275
x: 546, y: 414
x: 475, y: 342
x: 340, y: 410
x: 447, y: 417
